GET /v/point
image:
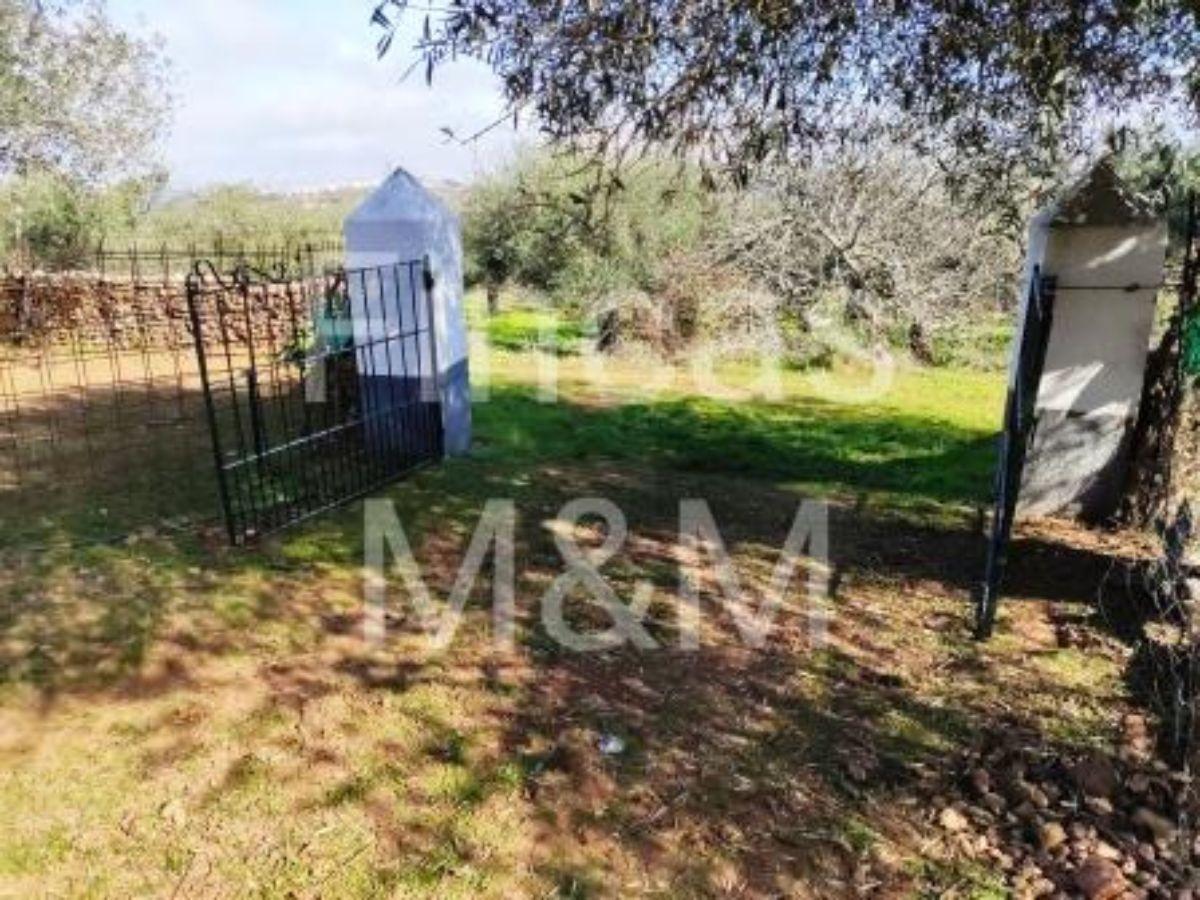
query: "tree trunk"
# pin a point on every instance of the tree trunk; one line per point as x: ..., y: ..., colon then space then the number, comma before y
x: 493, y: 297
x: 609, y: 328
x: 1152, y: 447
x: 1165, y: 399
x: 919, y: 344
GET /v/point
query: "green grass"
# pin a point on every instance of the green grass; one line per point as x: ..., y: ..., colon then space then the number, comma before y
x: 925, y: 439
x: 522, y: 325
x: 528, y: 329
x: 929, y: 437
x: 177, y: 717
x: 982, y: 345
x: 921, y: 446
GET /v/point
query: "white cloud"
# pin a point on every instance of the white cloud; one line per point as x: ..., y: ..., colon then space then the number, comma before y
x: 288, y: 93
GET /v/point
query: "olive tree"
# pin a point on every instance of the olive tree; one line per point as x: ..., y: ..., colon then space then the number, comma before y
x: 78, y: 95
x: 875, y: 240
x: 999, y: 91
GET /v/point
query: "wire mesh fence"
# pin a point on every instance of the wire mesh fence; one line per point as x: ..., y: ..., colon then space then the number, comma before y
x: 102, y: 426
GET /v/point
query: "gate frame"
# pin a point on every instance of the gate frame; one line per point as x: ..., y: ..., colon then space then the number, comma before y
x: 192, y: 285
x: 429, y: 391
x: 1020, y: 425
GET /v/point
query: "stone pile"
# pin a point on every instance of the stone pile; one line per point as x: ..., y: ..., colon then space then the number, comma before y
x: 1064, y: 824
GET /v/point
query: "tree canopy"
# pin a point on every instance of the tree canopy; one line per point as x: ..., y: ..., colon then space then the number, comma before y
x: 996, y: 89
x: 78, y: 96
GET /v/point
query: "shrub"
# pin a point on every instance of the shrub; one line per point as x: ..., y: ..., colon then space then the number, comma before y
x: 876, y: 242
x: 242, y: 214
x: 1165, y: 170
x: 871, y: 248
x: 48, y: 219
x: 558, y: 225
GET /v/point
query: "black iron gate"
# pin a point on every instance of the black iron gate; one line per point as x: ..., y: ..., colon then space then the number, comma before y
x: 319, y: 388
x: 1019, y: 424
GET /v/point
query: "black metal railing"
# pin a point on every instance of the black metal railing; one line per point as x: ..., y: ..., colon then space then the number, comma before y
x: 153, y: 264
x: 102, y: 417
x: 1020, y: 422
x: 318, y: 390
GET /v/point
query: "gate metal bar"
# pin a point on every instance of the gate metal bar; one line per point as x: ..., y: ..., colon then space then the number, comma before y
x: 318, y: 390
x: 1020, y: 422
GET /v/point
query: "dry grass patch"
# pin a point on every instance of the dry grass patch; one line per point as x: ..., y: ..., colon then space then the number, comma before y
x: 178, y: 719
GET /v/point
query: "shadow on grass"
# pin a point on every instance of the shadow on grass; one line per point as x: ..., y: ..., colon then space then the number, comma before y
x: 94, y: 466
x: 767, y: 771
x: 825, y: 445
x: 742, y: 770
x: 819, y: 447
x: 83, y: 475
x: 739, y: 773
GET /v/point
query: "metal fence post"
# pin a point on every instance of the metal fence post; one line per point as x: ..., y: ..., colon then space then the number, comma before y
x: 1020, y: 422
x: 192, y: 290
x: 428, y: 282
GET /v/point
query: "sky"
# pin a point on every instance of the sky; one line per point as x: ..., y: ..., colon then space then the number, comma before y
x: 289, y: 94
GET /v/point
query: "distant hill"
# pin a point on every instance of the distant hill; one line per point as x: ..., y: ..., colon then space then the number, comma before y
x: 247, y: 215
x: 452, y: 191
x: 252, y: 216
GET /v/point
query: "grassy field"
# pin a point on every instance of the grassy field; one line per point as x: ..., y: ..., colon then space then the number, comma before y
x: 177, y: 719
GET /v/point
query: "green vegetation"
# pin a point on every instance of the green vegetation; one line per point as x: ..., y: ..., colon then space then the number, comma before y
x: 547, y: 223
x: 183, y: 719
x: 82, y: 106
x: 812, y: 263
x: 187, y: 718
x: 79, y: 97
x: 1166, y: 169
x: 900, y: 444
x: 50, y: 220
x: 1005, y: 109
x: 807, y: 265
x: 241, y: 214
x: 529, y: 327
x: 922, y: 437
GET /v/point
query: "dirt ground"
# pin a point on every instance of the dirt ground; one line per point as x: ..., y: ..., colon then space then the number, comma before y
x: 179, y: 719
x: 259, y: 745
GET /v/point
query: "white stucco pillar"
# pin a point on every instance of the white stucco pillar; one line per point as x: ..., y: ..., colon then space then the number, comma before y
x: 402, y: 222
x: 1105, y: 251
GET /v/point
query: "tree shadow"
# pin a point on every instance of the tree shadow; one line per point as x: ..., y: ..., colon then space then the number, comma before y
x: 85, y: 466
x: 834, y: 446
x: 742, y: 770
x: 926, y: 473
x: 759, y: 771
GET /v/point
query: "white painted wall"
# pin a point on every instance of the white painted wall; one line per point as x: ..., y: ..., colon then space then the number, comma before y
x: 1091, y: 385
x: 402, y: 221
x: 1096, y: 358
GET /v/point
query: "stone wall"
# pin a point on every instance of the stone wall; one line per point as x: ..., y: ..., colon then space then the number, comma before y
x: 38, y: 309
